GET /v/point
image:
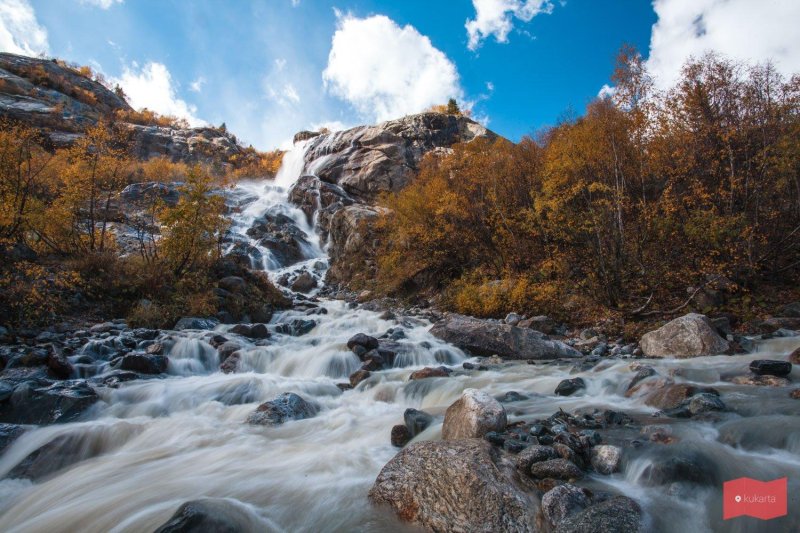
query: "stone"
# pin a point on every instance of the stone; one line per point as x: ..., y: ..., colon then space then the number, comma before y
x: 430, y: 372
x: 196, y: 323
x: 673, y: 465
x: 416, y: 421
x: 486, y: 338
x: 472, y: 416
x: 400, y: 435
x: 606, y: 458
x: 288, y: 406
x: 541, y: 323
x: 155, y: 349
x: 562, y: 502
x: 568, y: 387
x: 213, y: 515
x: 535, y: 454
x: 304, y: 283
x: 560, y: 469
x: 227, y: 348
x: 58, y: 365
x: 642, y: 373
x: 615, y: 515
x: 259, y: 331
x: 144, y: 364
x: 762, y: 381
x: 41, y: 403
x: 704, y: 403
x: 358, y: 376
x: 462, y: 485
x: 365, y: 341
x: 768, y: 367
x: 512, y: 396
x: 795, y: 394
x: 512, y: 319
x: 691, y: 335
x: 794, y: 357
x: 673, y: 395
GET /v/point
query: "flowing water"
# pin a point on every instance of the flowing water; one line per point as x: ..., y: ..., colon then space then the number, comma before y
x: 151, y: 445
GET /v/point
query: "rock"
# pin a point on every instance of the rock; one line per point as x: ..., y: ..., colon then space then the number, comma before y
x: 541, y: 323
x: 278, y: 232
x: 673, y: 395
x: 642, y: 372
x: 768, y: 367
x: 791, y: 310
x: 287, y: 406
x: 58, y: 364
x: 358, y: 376
x: 416, y: 421
x: 486, y: 338
x: 763, y: 381
x: 562, y: 502
x: 795, y: 394
x: 512, y: 396
x: 8, y: 434
x: 365, y: 341
x: 296, y: 327
x: 155, y: 349
x: 400, y: 435
x: 259, y: 331
x: 568, y: 387
x: 227, y: 349
x: 351, y: 240
x: 606, y: 458
x: 231, y: 363
x: 144, y: 364
x: 794, y: 357
x: 691, y: 335
x: 512, y: 319
x: 430, y: 372
x: 213, y: 515
x: 535, y: 454
x: 316, y: 197
x: 41, y: 403
x: 560, y: 469
x: 704, y: 403
x: 459, y: 485
x: 196, y: 323
x: 614, y: 515
x: 305, y: 282
x: 472, y: 416
x: 681, y: 466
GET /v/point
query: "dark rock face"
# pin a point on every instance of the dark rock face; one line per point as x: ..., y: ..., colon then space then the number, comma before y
x: 144, y: 364
x: 358, y: 376
x: 568, y: 387
x: 305, y: 282
x: 287, y: 406
x: 483, y: 337
x: 350, y: 239
x: 212, y: 515
x: 459, y: 485
x: 32, y: 402
x: 196, y: 323
x: 562, y: 502
x: 363, y: 340
x: 617, y: 514
x: 681, y: 466
x: 278, y: 232
x: 767, y: 367
x: 417, y: 421
x: 316, y: 197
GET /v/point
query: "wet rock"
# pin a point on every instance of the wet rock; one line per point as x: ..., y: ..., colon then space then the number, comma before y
x: 305, y: 282
x: 560, y: 469
x: 535, y: 454
x: 296, y: 327
x: 659, y: 434
x: 196, y: 323
x: 512, y: 319
x: 473, y: 415
x: 794, y: 357
x: 512, y: 396
x: 8, y: 434
x: 416, y: 421
x: 486, y: 338
x: 155, y: 349
x: 606, y: 459
x: 212, y: 515
x: 459, y: 485
x: 227, y: 349
x: 691, y: 335
x: 287, y: 406
x: 144, y: 364
x: 365, y: 341
x: 278, y: 232
x: 681, y: 466
x: 541, y: 323
x: 703, y: 403
x: 568, y: 387
x: 642, y: 373
x: 562, y: 502
x: 58, y: 364
x: 358, y: 376
x: 761, y: 381
x: 614, y: 515
x: 40, y: 403
x: 400, y: 435
x: 430, y: 372
x: 768, y: 367
x: 795, y: 394
x: 673, y: 395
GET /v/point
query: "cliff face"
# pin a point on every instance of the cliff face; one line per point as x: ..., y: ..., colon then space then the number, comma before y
x: 62, y: 103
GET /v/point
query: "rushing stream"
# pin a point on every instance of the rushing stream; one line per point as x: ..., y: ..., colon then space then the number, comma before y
x: 151, y: 445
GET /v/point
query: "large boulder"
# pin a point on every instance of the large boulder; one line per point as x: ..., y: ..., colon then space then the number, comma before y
x: 614, y: 515
x: 460, y: 485
x: 691, y: 335
x: 33, y: 402
x: 287, y: 406
x: 485, y: 337
x: 213, y: 515
x: 473, y: 415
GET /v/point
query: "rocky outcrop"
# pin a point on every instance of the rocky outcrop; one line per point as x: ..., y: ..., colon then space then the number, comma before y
x: 472, y: 416
x: 691, y: 335
x: 351, y: 247
x: 368, y: 160
x: 485, y: 337
x: 318, y: 199
x: 462, y: 485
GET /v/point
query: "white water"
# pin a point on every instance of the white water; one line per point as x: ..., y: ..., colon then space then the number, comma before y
x: 151, y: 445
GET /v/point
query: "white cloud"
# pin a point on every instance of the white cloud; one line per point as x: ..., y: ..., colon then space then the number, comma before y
x: 607, y: 91
x: 496, y: 17
x: 295, y: 3
x: 152, y: 87
x: 739, y: 29
x: 386, y: 71
x: 285, y: 95
x: 280, y: 64
x: 197, y: 85
x: 102, y: 4
x: 20, y: 32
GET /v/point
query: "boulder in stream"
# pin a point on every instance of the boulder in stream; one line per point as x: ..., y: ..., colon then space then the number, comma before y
x: 213, y: 515
x: 473, y: 415
x: 691, y: 335
x: 287, y: 406
x: 769, y: 367
x: 614, y: 515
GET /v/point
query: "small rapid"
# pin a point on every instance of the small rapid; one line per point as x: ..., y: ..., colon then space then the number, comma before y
x: 150, y: 445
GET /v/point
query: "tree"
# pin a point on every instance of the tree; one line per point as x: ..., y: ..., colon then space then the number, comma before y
x: 452, y: 107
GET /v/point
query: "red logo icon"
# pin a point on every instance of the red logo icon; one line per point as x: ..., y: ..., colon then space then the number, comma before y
x: 750, y: 497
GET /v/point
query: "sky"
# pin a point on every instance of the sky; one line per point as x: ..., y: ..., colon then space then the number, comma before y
x: 270, y: 68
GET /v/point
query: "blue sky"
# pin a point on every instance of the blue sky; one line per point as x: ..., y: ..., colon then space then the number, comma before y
x: 271, y: 68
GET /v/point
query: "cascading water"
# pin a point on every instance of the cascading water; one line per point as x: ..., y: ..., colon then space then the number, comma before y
x: 150, y: 445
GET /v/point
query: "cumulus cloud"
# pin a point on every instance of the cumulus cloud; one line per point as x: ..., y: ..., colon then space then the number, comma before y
x: 152, y: 87
x: 496, y: 17
x: 739, y: 29
x: 197, y: 85
x: 20, y: 32
x: 102, y: 4
x: 387, y: 71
